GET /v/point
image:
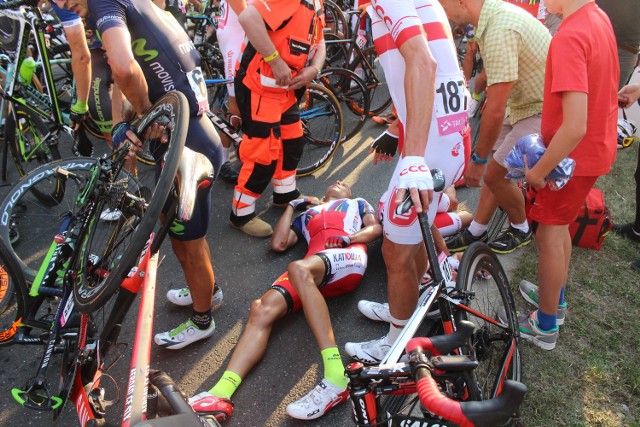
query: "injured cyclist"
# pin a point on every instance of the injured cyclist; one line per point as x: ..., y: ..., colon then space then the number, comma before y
x: 337, y: 230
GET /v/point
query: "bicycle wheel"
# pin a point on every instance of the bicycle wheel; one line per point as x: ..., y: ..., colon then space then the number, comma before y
x: 484, y: 288
x: 497, y: 223
x: 322, y: 125
x: 29, y: 220
x: 107, y: 252
x: 12, y: 291
x: 369, y: 67
x: 350, y: 90
x: 336, y: 55
x: 25, y: 132
x: 335, y: 21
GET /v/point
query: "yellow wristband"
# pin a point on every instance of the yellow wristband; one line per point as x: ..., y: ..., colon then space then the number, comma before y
x: 271, y: 57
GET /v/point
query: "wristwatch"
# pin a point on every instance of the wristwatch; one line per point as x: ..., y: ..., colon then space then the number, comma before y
x: 477, y: 159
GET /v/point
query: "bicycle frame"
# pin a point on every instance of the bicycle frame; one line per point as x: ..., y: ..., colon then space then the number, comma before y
x: 31, y: 21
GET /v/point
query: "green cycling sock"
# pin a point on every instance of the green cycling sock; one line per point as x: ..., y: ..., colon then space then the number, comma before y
x: 333, y: 367
x: 80, y: 107
x: 227, y: 385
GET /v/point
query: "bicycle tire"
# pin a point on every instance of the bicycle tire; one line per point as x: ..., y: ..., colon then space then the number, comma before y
x: 114, y: 255
x: 336, y: 53
x: 352, y: 93
x: 26, y: 126
x: 31, y: 220
x: 12, y: 303
x: 374, y: 78
x: 335, y: 21
x: 321, y: 117
x: 495, y: 347
x: 497, y: 224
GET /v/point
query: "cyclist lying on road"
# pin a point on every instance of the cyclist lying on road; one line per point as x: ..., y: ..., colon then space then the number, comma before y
x: 337, y: 232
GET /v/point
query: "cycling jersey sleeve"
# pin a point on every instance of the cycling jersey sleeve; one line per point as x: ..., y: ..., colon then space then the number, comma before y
x: 400, y: 17
x: 109, y: 13
x: 297, y: 225
x: 276, y: 12
x: 67, y: 18
x: 364, y: 207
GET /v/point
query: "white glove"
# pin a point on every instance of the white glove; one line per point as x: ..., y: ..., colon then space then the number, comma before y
x: 414, y: 173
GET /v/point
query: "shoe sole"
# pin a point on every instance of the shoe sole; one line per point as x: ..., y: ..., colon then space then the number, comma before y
x: 178, y: 346
x: 458, y: 249
x: 504, y: 252
x: 250, y: 234
x: 539, y: 343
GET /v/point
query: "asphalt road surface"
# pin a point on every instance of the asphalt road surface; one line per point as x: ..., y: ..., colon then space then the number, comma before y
x: 244, y: 268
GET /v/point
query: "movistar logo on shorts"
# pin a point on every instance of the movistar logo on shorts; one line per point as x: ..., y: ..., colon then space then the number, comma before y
x: 138, y: 46
x: 177, y: 227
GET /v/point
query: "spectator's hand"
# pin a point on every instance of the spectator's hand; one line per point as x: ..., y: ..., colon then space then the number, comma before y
x: 474, y: 174
x: 532, y: 177
x: 303, y: 203
x: 415, y: 176
x: 281, y: 71
x: 337, y: 242
x: 631, y: 93
x: 303, y: 78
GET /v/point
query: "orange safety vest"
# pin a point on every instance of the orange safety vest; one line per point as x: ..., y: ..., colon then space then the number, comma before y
x: 295, y: 40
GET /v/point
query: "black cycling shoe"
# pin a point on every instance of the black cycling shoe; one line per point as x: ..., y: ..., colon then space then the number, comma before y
x: 463, y: 239
x: 627, y: 230
x: 511, y: 240
x: 228, y: 173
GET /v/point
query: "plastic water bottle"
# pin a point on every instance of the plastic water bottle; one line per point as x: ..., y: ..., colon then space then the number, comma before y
x: 27, y: 68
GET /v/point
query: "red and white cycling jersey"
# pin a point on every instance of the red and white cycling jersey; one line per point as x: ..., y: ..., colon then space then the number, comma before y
x: 230, y: 40
x: 340, y: 217
x: 393, y: 23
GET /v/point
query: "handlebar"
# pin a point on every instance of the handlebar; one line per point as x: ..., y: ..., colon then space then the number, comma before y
x: 484, y: 413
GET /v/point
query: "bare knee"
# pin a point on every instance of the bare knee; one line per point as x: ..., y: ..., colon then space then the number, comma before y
x: 261, y: 313
x: 299, y: 274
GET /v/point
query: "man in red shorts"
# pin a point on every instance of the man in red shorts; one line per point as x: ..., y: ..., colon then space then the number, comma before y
x: 337, y: 232
x: 579, y: 120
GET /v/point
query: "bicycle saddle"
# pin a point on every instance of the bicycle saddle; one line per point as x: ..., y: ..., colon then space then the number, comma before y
x: 195, y: 171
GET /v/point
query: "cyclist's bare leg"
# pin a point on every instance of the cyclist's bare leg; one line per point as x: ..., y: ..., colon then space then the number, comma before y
x: 554, y: 254
x: 506, y: 192
x: 305, y: 275
x: 193, y: 256
x: 402, y: 292
x: 253, y: 342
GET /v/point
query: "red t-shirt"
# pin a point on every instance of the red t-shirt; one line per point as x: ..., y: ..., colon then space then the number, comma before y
x: 583, y: 58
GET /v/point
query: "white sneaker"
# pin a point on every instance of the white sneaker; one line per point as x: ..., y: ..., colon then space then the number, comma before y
x: 318, y: 401
x: 110, y: 215
x: 182, y: 297
x: 185, y: 334
x: 378, y: 312
x: 369, y: 352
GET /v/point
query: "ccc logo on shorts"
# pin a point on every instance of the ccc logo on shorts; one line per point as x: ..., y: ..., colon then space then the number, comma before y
x: 400, y: 220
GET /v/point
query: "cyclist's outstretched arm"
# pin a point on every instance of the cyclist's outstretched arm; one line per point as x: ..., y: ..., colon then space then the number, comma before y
x: 125, y: 69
